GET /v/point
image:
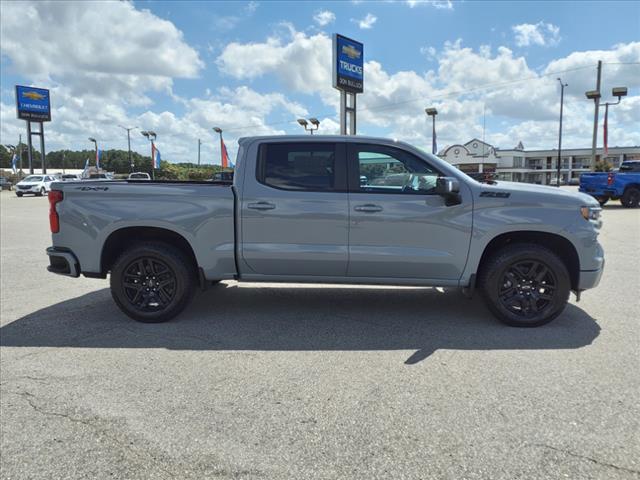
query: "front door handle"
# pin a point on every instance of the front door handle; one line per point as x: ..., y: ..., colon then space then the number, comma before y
x: 261, y: 206
x: 368, y: 208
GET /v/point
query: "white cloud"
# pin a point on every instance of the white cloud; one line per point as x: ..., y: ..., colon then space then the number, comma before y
x: 366, y: 22
x: 324, y: 17
x: 541, y: 33
x: 439, y: 4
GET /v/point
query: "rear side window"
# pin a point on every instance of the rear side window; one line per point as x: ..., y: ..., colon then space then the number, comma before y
x: 298, y: 166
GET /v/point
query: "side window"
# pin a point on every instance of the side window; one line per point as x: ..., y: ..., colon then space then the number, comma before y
x: 390, y: 170
x: 298, y: 166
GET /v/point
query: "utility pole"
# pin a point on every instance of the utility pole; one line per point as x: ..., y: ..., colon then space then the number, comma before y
x: 128, y: 129
x: 595, y: 117
x: 199, y: 143
x: 562, y: 85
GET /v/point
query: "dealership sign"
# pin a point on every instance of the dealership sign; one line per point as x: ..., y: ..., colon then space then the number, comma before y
x: 33, y: 104
x: 348, y: 64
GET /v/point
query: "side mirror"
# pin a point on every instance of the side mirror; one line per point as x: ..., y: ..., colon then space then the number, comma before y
x: 449, y: 188
x: 446, y: 186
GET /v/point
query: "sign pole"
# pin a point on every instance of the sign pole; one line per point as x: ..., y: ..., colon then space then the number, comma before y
x: 44, y: 159
x: 348, y: 78
x: 29, y: 147
x: 20, y: 150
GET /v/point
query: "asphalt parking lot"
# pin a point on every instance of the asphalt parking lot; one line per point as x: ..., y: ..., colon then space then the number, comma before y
x: 327, y: 382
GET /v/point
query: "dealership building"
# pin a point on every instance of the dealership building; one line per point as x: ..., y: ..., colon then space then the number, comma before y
x: 531, y: 166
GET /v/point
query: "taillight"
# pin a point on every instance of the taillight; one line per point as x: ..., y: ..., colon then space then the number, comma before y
x: 55, y: 196
x: 610, y: 179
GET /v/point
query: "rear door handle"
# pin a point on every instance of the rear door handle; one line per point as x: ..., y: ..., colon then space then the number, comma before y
x: 368, y: 208
x: 261, y: 206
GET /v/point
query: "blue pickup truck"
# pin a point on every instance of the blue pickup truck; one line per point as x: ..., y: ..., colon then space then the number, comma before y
x: 623, y: 185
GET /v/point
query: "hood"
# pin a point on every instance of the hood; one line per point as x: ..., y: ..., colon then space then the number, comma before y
x: 544, y: 193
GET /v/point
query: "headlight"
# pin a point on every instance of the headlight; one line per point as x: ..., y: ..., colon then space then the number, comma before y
x: 592, y: 214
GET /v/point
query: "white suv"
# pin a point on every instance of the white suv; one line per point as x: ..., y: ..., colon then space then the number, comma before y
x: 36, y: 184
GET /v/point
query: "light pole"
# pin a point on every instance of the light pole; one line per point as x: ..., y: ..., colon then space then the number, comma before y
x: 151, y: 136
x: 199, y: 143
x: 95, y: 143
x: 562, y: 85
x: 313, y: 121
x: 128, y: 129
x: 432, y: 112
x: 595, y: 96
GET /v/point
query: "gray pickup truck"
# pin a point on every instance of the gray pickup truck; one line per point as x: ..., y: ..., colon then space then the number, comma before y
x: 330, y: 209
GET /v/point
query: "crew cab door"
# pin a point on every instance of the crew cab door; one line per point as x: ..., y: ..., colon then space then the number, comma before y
x: 399, y: 227
x: 294, y: 210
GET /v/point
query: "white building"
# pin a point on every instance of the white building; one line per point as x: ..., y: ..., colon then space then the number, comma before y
x: 531, y: 166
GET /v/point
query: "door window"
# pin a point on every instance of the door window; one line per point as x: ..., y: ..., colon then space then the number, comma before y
x: 390, y: 170
x: 298, y: 166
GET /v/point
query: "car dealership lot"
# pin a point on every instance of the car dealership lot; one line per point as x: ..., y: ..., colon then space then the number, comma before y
x: 295, y: 381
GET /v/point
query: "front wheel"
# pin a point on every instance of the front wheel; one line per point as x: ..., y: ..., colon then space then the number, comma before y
x: 19, y: 194
x: 525, y: 285
x: 631, y: 198
x: 152, y: 282
x: 42, y: 192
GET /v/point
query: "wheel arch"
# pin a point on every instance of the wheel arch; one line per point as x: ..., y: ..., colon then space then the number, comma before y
x: 561, y: 246
x: 119, y: 240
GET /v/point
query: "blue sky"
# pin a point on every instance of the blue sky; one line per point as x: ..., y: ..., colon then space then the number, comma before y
x: 181, y: 68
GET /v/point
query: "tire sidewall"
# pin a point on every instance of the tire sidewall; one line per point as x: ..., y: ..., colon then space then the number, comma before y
x: 627, y: 198
x: 174, y: 260
x: 493, y: 280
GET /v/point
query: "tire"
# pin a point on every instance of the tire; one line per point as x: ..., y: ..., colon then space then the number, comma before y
x: 525, y: 285
x: 41, y: 192
x: 158, y: 293
x: 602, y: 200
x: 19, y: 194
x: 631, y: 198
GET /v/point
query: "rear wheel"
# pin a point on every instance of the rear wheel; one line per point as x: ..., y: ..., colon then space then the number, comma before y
x: 602, y: 200
x: 152, y: 282
x: 631, y: 198
x: 525, y: 285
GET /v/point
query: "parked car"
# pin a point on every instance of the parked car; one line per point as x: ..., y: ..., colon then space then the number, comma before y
x: 70, y: 177
x: 623, y: 185
x: 34, y: 184
x: 5, y: 184
x: 139, y: 176
x: 297, y: 212
x: 98, y: 176
x: 222, y: 177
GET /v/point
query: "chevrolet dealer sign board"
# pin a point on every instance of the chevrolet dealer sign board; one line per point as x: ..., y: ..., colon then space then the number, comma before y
x: 348, y: 64
x: 33, y: 104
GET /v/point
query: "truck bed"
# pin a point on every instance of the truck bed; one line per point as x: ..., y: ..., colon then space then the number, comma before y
x: 200, y: 211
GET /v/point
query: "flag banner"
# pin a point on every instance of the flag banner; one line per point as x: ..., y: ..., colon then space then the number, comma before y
x: 605, y: 129
x: 86, y: 164
x: 98, y: 156
x: 14, y: 162
x: 224, y: 153
x: 155, y: 156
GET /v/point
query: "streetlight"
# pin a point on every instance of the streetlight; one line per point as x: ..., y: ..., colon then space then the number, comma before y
x: 128, y: 129
x: 95, y: 142
x: 151, y: 136
x: 595, y: 95
x: 313, y: 121
x: 432, y: 112
x: 562, y: 85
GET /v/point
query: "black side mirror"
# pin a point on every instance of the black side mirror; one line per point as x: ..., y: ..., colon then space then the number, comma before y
x: 449, y: 188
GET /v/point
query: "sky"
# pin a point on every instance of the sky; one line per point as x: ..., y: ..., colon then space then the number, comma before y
x: 253, y: 68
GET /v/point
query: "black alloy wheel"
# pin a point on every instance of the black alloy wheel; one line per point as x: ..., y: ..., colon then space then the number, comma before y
x: 527, y: 288
x: 153, y: 282
x: 525, y: 284
x: 149, y: 284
